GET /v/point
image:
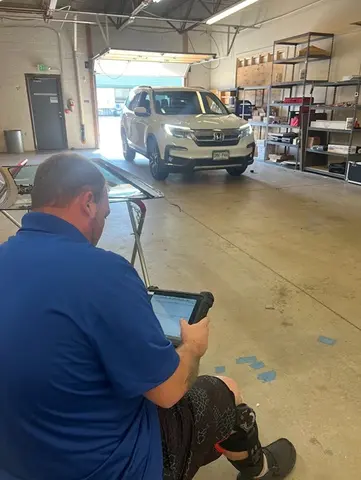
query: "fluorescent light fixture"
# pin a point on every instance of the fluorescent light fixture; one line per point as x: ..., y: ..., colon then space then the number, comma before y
x: 230, y: 11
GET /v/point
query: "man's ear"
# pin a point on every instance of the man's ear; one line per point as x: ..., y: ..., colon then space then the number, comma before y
x: 88, y: 204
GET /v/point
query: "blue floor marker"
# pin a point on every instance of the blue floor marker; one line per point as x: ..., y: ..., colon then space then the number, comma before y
x: 221, y: 369
x: 257, y: 365
x: 241, y: 360
x: 326, y: 340
x: 267, y: 376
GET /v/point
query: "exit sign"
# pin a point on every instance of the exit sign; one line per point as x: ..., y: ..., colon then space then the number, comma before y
x: 43, y: 68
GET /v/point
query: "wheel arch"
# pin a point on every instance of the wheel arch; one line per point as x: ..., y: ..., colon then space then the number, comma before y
x: 151, y: 137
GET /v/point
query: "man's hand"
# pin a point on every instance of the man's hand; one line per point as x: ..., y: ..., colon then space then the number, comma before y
x: 195, y: 337
x: 194, y: 346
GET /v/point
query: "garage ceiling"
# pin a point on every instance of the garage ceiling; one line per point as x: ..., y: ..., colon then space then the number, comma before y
x: 187, y: 13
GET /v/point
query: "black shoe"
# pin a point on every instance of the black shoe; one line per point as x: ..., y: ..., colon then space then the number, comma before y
x: 281, y: 458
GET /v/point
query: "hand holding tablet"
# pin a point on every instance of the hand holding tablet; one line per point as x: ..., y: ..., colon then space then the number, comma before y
x: 171, y: 307
x: 195, y: 336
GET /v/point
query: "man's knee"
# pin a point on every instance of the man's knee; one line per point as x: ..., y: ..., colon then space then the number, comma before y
x: 232, y: 385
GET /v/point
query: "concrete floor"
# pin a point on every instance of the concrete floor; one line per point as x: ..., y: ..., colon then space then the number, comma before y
x: 279, y: 250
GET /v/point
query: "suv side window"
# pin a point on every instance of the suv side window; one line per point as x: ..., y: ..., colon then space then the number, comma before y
x: 145, y: 101
x: 130, y: 98
x: 211, y: 105
x: 132, y: 101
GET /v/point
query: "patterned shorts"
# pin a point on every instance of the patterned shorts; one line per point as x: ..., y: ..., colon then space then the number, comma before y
x: 205, y: 416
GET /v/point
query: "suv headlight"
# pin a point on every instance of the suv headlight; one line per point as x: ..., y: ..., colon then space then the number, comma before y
x: 245, y: 131
x: 178, y: 131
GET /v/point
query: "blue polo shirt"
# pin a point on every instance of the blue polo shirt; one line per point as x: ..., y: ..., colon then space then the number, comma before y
x: 79, y: 347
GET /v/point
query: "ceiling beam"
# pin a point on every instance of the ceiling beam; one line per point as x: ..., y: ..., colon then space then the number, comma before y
x: 138, y: 9
x: 188, y: 12
x: 217, y: 4
x: 147, y: 17
x: 49, y: 8
x: 205, y: 6
x: 216, y: 7
x: 173, y: 8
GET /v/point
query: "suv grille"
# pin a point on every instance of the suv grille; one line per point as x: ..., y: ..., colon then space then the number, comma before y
x: 216, y: 138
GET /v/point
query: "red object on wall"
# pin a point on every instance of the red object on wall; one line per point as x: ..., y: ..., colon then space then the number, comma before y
x: 305, y: 100
x: 295, y: 121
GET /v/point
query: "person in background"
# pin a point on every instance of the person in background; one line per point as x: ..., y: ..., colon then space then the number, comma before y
x: 90, y: 388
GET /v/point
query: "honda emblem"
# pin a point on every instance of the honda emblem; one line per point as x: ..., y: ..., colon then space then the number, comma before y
x: 218, y: 136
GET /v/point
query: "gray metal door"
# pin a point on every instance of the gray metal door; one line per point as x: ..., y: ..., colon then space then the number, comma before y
x: 47, y: 112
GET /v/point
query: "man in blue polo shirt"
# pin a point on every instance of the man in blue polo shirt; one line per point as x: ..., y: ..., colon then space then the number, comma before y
x: 90, y: 388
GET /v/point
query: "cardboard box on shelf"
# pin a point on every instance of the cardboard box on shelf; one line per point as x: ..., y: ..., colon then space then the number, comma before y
x: 313, y: 51
x: 261, y: 149
x: 313, y: 141
x: 274, y: 120
x: 299, y: 100
x: 284, y: 157
x: 344, y: 149
x: 274, y: 157
x: 329, y: 124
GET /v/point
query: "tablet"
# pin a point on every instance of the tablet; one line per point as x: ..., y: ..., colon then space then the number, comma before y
x: 171, y: 306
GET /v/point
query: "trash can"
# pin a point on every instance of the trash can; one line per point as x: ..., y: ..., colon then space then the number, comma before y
x: 14, y: 141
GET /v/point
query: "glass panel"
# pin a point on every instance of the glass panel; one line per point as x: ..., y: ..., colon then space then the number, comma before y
x: 212, y: 104
x: 121, y: 185
x: 177, y: 102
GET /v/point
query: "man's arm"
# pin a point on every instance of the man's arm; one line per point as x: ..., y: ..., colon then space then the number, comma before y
x: 131, y: 345
x: 195, y: 344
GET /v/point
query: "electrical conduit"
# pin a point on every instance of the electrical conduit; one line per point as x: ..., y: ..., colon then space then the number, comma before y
x: 78, y: 83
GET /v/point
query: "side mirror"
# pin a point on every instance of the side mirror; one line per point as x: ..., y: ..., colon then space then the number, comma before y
x: 141, y: 112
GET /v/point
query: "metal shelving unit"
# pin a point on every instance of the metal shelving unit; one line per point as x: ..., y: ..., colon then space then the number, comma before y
x: 242, y: 100
x: 226, y: 95
x: 265, y: 99
x: 296, y: 55
x: 318, y: 161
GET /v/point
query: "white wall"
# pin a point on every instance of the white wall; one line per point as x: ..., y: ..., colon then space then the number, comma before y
x: 22, y: 47
x: 135, y: 37
x: 333, y: 16
x: 200, y: 75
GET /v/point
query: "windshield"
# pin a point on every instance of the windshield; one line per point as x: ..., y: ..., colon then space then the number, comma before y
x: 184, y: 102
x: 212, y: 104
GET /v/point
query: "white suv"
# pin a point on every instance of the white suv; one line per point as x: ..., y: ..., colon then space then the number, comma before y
x: 184, y: 129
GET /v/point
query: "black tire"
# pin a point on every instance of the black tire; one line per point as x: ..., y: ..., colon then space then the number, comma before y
x: 157, y: 168
x: 128, y: 152
x: 236, y: 171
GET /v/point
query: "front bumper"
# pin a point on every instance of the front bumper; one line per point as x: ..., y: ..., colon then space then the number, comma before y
x: 178, y: 158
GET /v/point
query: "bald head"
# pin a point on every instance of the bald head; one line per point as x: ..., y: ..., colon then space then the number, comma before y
x: 71, y: 187
x: 62, y: 177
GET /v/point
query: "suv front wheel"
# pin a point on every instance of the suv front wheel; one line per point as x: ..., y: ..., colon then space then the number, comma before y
x: 236, y: 171
x: 157, y: 168
x: 128, y: 152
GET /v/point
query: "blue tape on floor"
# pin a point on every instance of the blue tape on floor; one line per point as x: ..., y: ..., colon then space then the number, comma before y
x: 267, y: 376
x: 257, y: 365
x: 241, y: 360
x: 220, y: 369
x: 326, y: 340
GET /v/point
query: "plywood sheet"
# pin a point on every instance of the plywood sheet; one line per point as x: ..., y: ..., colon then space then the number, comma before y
x: 257, y: 70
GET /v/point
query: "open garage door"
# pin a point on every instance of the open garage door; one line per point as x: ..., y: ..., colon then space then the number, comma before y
x: 118, y: 71
x: 160, y: 66
x: 170, y: 59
